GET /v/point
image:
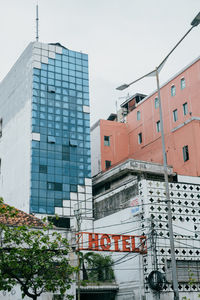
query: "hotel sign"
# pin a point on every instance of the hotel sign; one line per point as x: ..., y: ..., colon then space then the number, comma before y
x: 112, y: 242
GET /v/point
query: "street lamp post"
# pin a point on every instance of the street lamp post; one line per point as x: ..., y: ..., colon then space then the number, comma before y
x: 155, y: 72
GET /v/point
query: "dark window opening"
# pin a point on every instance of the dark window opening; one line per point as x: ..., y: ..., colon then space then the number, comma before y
x: 140, y: 138
x: 43, y: 169
x: 106, y: 140
x: 185, y: 109
x: 107, y: 164
x: 60, y: 222
x: 185, y: 153
x: 107, y: 186
x: 54, y: 186
x: 158, y: 126
x: 175, y: 115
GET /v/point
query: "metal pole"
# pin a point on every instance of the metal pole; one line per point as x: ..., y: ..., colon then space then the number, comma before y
x: 37, y: 21
x: 78, y: 254
x: 79, y: 281
x: 171, y: 234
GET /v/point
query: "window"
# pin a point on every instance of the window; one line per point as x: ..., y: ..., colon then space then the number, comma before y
x: 60, y: 222
x: 185, y: 108
x: 175, y: 115
x: 1, y: 127
x: 73, y: 143
x: 107, y: 186
x: 138, y: 115
x: 182, y: 83
x: 73, y: 188
x: 173, y: 90
x: 43, y: 169
x: 140, y: 138
x: 184, y: 270
x: 158, y: 126
x: 106, y: 140
x: 156, y: 102
x: 65, y: 153
x: 54, y: 186
x: 51, y: 89
x: 107, y: 164
x: 51, y: 139
x: 185, y: 153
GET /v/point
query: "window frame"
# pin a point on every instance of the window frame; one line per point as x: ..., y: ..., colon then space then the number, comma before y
x: 185, y: 111
x: 138, y: 115
x: 140, y: 138
x: 156, y: 103
x: 185, y: 153
x: 175, y: 115
x: 173, y: 90
x: 43, y: 169
x: 158, y: 126
x: 107, y: 164
x: 182, y: 81
x: 106, y: 140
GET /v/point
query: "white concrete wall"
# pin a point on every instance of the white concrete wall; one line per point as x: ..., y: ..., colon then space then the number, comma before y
x: 132, y: 271
x: 189, y: 179
x: 96, y: 149
x: 15, y: 110
x: 128, y: 266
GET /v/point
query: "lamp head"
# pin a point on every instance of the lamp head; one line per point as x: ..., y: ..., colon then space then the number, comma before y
x: 122, y: 87
x: 196, y: 20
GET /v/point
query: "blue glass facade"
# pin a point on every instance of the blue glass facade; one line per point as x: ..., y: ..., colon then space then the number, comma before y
x: 61, y: 158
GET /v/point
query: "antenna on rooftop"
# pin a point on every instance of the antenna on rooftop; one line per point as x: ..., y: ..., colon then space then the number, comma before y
x: 37, y: 21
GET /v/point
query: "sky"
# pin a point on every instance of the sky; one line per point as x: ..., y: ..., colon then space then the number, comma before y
x: 124, y: 40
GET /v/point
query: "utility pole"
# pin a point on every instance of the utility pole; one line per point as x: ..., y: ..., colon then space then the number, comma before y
x: 169, y: 211
x: 154, y: 252
x: 78, y: 221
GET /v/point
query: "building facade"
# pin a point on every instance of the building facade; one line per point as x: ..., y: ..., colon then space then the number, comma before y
x: 45, y: 132
x: 130, y: 199
x: 135, y: 132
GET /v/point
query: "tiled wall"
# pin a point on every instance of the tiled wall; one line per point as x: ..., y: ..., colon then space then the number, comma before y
x: 60, y: 173
x: 185, y: 206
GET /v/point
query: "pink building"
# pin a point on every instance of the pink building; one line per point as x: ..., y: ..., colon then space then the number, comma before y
x: 135, y: 132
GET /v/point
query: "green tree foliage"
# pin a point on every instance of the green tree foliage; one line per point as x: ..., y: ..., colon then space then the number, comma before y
x: 36, y: 259
x: 99, y: 267
x: 85, y: 260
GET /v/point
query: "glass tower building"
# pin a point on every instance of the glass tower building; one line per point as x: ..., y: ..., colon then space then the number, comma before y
x: 45, y: 142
